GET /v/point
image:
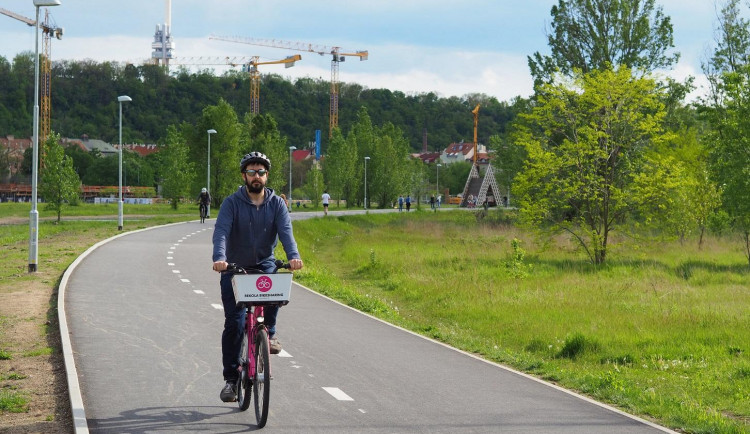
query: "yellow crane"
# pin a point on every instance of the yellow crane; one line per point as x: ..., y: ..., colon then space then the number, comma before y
x: 250, y: 65
x: 49, y: 30
x: 255, y: 78
x: 337, y: 56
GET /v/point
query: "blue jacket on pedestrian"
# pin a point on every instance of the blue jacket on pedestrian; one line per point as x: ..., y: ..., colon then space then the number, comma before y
x: 246, y: 234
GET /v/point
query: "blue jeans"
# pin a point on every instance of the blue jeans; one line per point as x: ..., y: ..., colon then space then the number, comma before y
x: 234, y: 321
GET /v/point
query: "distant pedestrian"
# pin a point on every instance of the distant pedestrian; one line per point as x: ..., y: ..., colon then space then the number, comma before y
x: 439, y: 199
x: 326, y: 197
x: 408, y: 202
x: 400, y: 203
x: 432, y: 202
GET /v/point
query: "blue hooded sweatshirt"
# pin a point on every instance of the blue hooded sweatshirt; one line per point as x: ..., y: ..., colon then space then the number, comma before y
x: 246, y: 234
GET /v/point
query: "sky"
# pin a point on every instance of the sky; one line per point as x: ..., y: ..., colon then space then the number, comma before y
x: 451, y: 47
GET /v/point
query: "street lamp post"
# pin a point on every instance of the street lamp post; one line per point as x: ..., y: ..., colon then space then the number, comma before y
x: 291, y: 148
x: 366, y: 158
x: 34, y: 214
x: 121, y: 99
x: 208, y: 171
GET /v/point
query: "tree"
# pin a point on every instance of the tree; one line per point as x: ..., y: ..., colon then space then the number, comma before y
x: 226, y: 152
x: 314, y: 186
x: 177, y: 170
x: 388, y: 168
x: 728, y: 112
x: 593, y: 35
x: 586, y: 142
x: 338, y: 166
x: 59, y: 182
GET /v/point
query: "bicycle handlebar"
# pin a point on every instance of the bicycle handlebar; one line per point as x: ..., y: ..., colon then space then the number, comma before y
x: 234, y: 268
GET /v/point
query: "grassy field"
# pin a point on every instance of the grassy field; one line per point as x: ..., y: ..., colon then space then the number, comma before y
x: 662, y: 330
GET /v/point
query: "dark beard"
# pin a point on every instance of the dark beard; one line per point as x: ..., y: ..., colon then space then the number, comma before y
x: 254, y: 187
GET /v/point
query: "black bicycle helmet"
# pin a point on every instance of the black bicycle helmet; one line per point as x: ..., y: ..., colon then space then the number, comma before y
x: 255, y: 157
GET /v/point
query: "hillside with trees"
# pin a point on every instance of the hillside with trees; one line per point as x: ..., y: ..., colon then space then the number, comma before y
x: 84, y: 101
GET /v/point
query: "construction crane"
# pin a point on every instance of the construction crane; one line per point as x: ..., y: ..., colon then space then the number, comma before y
x: 249, y: 65
x: 337, y: 57
x: 49, y: 30
x: 255, y: 78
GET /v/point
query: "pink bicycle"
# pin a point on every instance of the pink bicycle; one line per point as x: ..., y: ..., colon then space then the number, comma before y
x: 254, y: 289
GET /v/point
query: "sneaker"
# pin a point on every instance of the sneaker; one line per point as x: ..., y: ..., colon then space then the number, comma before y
x: 275, y: 345
x: 229, y: 392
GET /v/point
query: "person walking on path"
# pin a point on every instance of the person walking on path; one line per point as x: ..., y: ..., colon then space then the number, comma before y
x: 250, y: 223
x: 400, y: 203
x: 439, y: 200
x: 326, y: 197
x: 432, y: 202
x: 408, y: 202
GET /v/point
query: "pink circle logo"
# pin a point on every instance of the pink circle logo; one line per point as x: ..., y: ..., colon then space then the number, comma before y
x: 264, y: 284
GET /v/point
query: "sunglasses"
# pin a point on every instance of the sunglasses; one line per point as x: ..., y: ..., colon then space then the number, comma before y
x: 253, y: 172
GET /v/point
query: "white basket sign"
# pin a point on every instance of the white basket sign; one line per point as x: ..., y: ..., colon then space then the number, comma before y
x: 262, y: 288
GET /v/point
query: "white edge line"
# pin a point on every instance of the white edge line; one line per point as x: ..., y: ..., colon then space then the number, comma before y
x: 530, y: 377
x: 80, y: 424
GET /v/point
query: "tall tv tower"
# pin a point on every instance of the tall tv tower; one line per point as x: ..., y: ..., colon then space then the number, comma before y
x: 163, y: 46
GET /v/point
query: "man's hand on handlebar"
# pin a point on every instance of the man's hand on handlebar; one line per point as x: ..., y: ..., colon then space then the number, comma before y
x: 295, y: 264
x: 220, y: 266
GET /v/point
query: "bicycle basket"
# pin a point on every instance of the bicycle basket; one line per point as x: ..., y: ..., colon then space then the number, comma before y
x: 262, y: 289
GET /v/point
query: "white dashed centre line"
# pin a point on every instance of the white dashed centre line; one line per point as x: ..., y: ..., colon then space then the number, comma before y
x: 185, y: 280
x: 338, y: 394
x: 198, y: 291
x: 176, y: 271
x: 217, y: 306
x: 283, y: 353
x: 171, y: 264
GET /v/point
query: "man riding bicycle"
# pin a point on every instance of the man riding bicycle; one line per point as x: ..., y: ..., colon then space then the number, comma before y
x: 204, y: 199
x: 249, y: 224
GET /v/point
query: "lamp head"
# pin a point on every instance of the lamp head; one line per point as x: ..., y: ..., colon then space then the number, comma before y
x: 292, y: 148
x: 211, y: 131
x: 124, y: 98
x: 46, y: 3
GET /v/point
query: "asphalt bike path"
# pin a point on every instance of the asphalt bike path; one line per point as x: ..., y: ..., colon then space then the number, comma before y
x: 144, y: 319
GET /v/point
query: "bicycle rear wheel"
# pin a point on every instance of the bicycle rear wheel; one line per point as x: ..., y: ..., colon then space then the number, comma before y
x: 244, y: 382
x: 262, y: 378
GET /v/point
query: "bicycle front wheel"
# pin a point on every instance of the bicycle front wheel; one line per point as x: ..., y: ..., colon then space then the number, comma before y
x: 262, y: 378
x: 244, y: 382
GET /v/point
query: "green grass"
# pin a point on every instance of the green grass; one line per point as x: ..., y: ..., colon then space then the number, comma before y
x: 661, y: 330
x: 13, y: 401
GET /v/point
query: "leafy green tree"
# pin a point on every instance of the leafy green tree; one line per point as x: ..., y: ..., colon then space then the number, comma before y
x: 387, y: 168
x: 586, y: 141
x: 338, y: 166
x: 225, y: 150
x: 177, y: 171
x: 351, y: 166
x: 362, y: 138
x: 728, y: 112
x: 314, y: 186
x: 590, y: 35
x: 59, y: 182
